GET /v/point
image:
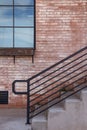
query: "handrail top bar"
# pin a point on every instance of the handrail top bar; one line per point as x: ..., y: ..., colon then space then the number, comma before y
x: 13, y: 87
x: 70, y: 56
x: 15, y: 81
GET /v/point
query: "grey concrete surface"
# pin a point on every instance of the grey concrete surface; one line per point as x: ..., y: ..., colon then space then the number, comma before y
x: 13, y: 119
x: 73, y: 118
x: 39, y: 122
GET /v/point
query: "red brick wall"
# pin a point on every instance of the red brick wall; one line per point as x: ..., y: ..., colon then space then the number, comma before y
x: 61, y: 29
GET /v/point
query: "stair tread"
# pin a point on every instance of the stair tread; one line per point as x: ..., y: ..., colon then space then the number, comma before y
x: 56, y: 109
x: 72, y: 99
x: 74, y: 96
x: 84, y: 90
x: 41, y: 117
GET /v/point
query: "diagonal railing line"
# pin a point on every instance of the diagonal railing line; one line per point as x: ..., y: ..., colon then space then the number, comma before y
x: 57, y: 75
x: 39, y: 95
x: 56, y: 71
x: 72, y: 55
x: 60, y: 100
x: 54, y: 94
x: 60, y: 79
x: 55, y: 87
x: 58, y: 85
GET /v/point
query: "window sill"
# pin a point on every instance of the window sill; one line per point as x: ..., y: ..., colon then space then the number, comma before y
x: 16, y: 51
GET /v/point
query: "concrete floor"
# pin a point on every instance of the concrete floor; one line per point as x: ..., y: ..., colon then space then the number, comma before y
x: 13, y: 119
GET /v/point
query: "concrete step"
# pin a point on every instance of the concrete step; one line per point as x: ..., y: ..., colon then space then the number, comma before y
x: 64, y: 117
x: 69, y: 114
x: 58, y: 107
x: 84, y: 90
x: 84, y: 95
x: 54, y: 114
x: 73, y: 98
x: 39, y: 122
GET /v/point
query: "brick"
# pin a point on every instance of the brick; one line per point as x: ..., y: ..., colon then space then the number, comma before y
x: 61, y: 29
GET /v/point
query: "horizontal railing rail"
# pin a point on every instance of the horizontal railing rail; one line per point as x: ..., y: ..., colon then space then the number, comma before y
x: 85, y: 86
x: 60, y: 83
x: 54, y: 84
x: 59, y: 79
x: 52, y: 93
x: 57, y: 70
x: 72, y: 55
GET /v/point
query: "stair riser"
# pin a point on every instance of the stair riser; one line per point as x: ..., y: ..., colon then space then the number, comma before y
x: 73, y: 118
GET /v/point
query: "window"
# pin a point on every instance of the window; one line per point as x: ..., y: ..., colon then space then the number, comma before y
x: 17, y: 26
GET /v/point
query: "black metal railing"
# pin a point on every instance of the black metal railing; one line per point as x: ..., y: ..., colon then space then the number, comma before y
x: 54, y: 84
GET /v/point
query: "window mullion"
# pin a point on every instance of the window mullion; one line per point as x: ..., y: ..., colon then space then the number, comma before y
x: 13, y: 26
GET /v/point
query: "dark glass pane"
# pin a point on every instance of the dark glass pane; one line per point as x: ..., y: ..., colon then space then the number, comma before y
x: 6, y: 39
x: 24, y: 38
x: 6, y: 16
x: 6, y: 2
x: 24, y: 16
x: 24, y: 2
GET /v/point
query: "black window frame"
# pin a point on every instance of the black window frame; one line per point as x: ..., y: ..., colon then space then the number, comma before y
x: 19, y: 51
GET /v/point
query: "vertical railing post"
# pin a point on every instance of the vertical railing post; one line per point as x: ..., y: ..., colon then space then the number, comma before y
x: 28, y: 103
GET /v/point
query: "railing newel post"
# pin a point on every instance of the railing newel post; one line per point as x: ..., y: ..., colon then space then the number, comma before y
x: 28, y: 102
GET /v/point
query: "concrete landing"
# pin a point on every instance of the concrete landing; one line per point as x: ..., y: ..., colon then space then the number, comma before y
x: 13, y: 119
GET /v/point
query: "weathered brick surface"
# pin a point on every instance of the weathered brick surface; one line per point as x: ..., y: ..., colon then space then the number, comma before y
x: 61, y: 29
